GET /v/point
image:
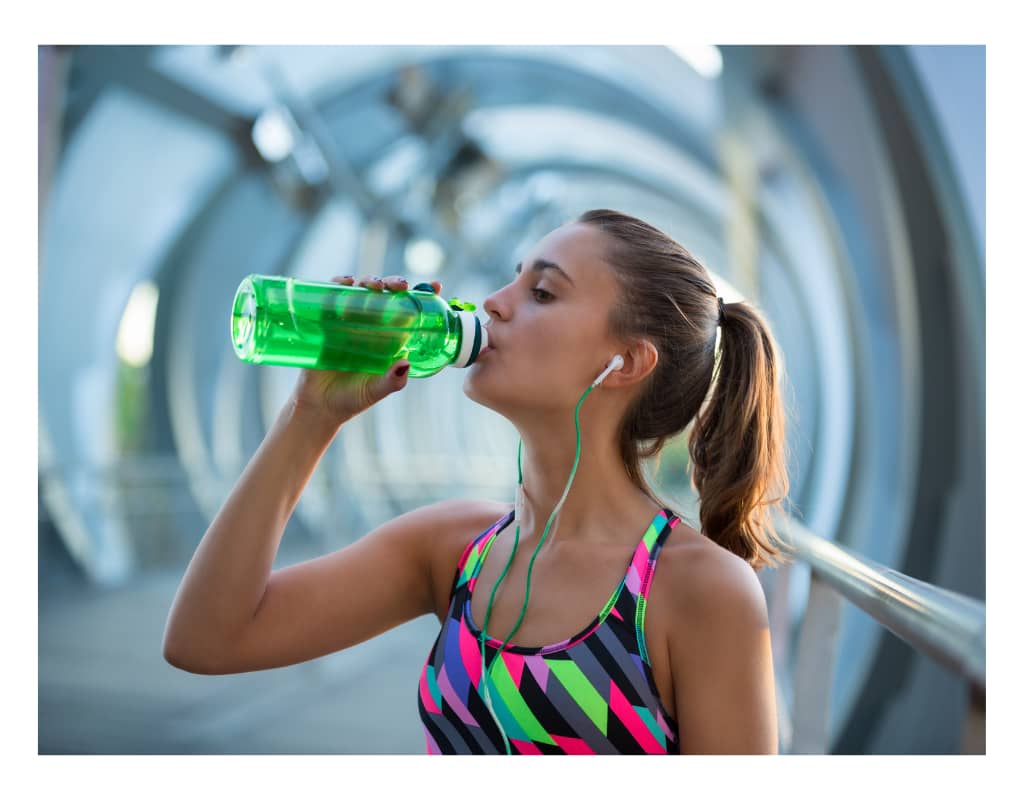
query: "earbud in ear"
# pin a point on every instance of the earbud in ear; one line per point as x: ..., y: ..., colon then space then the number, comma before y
x: 616, y: 363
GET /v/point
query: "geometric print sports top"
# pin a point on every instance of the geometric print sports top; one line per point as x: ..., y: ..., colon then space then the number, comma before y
x: 593, y: 693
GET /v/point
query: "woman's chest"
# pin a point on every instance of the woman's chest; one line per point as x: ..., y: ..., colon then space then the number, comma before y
x: 563, y: 591
x: 567, y: 594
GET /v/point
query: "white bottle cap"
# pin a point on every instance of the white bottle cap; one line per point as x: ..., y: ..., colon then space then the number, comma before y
x: 474, y: 339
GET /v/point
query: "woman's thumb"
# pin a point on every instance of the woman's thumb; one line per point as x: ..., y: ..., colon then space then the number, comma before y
x: 391, y: 381
x: 399, y: 374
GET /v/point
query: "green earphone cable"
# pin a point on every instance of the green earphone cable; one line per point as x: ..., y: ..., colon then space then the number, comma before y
x: 485, y: 670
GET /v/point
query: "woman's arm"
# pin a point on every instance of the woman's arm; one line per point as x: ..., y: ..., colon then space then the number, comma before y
x: 227, y: 576
x: 720, y: 651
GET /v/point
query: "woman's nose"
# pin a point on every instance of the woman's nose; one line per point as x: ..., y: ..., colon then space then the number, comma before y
x: 494, y: 305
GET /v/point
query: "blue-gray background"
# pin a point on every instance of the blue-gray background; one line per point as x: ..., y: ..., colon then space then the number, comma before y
x: 839, y: 188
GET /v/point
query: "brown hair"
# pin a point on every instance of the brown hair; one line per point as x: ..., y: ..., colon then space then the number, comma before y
x: 737, y: 445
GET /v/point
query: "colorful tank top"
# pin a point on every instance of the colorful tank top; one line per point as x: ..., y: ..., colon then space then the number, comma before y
x: 593, y: 693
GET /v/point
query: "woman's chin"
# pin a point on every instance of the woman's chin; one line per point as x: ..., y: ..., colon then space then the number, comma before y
x: 471, y: 387
x: 476, y: 369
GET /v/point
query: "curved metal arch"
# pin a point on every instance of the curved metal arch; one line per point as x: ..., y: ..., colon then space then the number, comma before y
x: 518, y: 76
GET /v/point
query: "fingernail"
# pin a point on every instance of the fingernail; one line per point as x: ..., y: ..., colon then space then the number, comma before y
x: 400, y: 372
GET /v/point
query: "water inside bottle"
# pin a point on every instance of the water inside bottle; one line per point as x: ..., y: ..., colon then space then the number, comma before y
x: 346, y: 328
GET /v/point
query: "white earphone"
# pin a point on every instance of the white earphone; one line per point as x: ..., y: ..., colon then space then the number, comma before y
x: 614, y: 364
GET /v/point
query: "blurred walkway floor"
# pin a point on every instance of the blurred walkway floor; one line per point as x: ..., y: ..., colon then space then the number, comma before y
x: 104, y: 686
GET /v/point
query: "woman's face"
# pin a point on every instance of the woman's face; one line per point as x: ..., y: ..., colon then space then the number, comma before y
x: 548, y: 329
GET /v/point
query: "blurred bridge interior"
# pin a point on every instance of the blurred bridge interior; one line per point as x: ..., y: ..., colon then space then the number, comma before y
x: 839, y: 188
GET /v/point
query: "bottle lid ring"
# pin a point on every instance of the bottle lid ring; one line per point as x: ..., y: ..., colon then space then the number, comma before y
x: 474, y: 339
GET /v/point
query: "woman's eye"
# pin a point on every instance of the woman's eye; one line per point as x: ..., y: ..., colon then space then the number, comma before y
x: 547, y: 294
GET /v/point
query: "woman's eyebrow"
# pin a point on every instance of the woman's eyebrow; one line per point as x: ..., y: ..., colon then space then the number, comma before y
x: 541, y: 264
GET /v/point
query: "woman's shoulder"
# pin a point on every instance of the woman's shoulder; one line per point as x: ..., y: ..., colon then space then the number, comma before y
x: 474, y: 517
x: 706, y: 581
x: 701, y: 570
x: 464, y: 520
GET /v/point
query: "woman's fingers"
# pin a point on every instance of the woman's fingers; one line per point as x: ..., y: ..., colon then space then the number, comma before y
x: 394, y: 283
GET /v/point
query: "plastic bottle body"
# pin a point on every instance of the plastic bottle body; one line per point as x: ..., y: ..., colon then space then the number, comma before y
x: 315, y: 325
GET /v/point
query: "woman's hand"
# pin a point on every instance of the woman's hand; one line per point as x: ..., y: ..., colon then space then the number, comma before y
x: 337, y: 395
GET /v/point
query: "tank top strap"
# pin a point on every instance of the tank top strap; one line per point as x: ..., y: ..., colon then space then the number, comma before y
x: 469, y: 564
x: 641, y: 568
x: 641, y: 571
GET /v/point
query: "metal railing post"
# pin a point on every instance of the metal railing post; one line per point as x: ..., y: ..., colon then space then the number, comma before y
x: 815, y: 668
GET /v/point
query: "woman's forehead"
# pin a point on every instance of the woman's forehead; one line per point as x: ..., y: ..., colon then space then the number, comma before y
x: 579, y: 250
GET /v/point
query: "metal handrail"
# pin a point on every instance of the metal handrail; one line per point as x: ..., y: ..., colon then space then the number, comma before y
x: 948, y: 626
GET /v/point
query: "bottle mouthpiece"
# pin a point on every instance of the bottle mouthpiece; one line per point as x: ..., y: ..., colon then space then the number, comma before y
x: 474, y: 339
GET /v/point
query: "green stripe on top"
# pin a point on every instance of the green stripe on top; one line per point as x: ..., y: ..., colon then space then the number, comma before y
x: 641, y: 607
x: 611, y: 601
x: 474, y: 560
x: 582, y: 691
x: 520, y: 711
x: 654, y: 531
x: 507, y: 720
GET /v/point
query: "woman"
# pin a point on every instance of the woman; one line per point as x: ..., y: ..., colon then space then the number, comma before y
x: 604, y: 659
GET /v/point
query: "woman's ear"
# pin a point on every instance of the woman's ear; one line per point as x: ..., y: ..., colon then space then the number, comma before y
x: 639, y: 361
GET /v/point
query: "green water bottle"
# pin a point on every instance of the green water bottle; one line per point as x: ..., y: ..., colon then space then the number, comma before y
x: 316, y: 325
